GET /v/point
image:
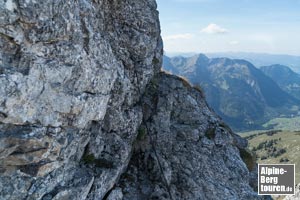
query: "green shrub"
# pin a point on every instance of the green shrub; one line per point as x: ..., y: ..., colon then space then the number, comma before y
x: 88, y: 159
x: 210, y: 133
x: 248, y: 158
x: 284, y: 160
x: 141, y: 133
x: 103, y: 163
x: 98, y: 162
x: 155, y: 61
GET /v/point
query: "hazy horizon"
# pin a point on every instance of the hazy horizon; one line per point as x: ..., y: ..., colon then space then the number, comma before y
x: 228, y: 52
x: 209, y: 26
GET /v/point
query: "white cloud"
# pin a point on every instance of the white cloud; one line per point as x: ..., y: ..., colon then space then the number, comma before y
x: 234, y: 42
x: 178, y: 36
x: 214, y: 29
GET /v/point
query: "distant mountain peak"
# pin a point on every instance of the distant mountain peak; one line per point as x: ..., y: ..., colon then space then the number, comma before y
x: 262, y: 59
x: 202, y: 56
x: 238, y: 91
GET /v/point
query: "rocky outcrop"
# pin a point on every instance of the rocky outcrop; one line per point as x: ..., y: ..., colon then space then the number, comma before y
x: 76, y: 119
x: 184, y: 151
x: 72, y: 74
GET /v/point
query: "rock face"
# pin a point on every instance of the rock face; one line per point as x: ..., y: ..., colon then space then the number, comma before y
x: 72, y: 74
x: 184, y: 151
x: 76, y: 120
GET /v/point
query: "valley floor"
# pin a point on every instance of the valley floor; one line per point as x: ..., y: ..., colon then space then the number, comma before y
x: 276, y: 147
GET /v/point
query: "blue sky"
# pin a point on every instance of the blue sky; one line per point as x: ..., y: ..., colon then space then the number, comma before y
x: 268, y: 26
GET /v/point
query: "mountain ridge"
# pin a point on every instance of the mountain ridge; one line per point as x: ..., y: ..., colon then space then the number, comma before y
x: 285, y: 77
x: 234, y: 88
x: 263, y: 59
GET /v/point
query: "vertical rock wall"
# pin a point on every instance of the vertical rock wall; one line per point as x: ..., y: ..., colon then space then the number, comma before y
x: 71, y: 76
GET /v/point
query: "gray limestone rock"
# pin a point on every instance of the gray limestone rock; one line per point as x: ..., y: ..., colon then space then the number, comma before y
x: 184, y: 151
x: 71, y: 76
x: 82, y: 116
